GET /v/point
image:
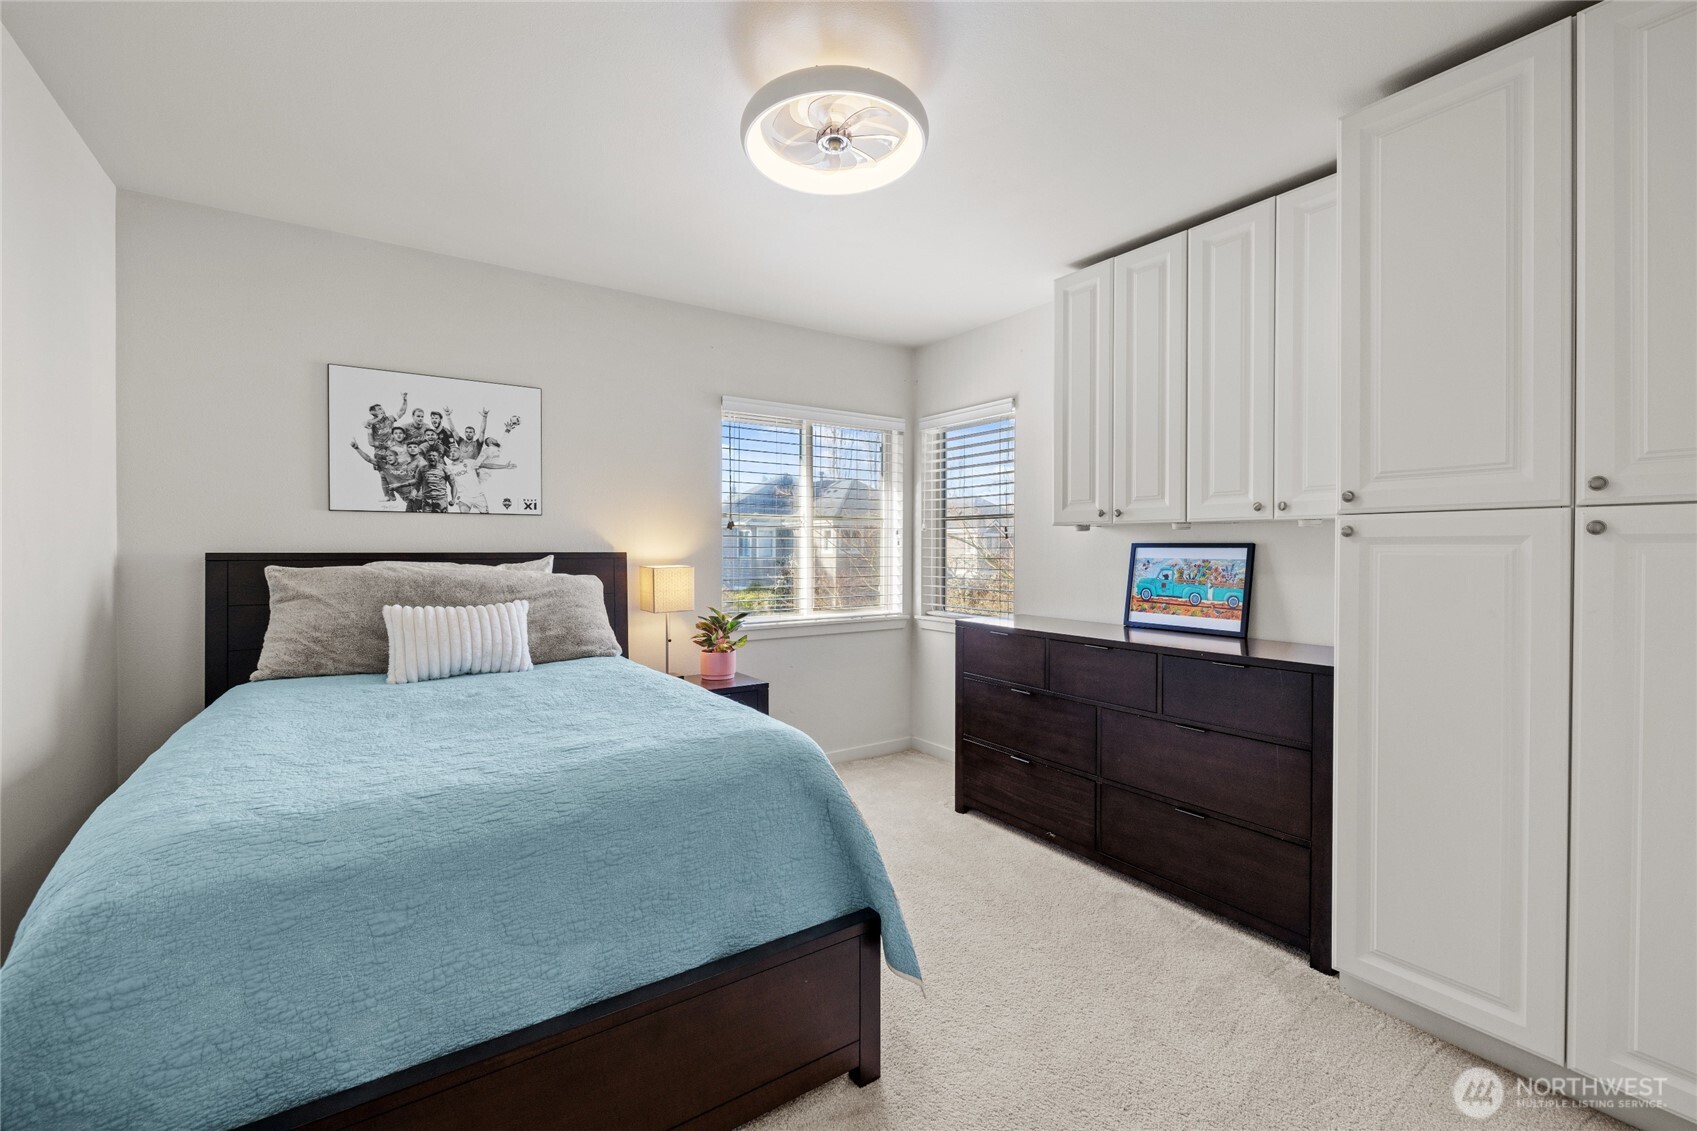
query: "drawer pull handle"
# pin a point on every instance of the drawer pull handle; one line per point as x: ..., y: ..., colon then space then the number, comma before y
x: 1019, y: 691
x: 1021, y: 761
x: 1198, y: 730
x: 1224, y: 664
x: 1095, y: 647
x: 993, y: 632
x: 1188, y: 813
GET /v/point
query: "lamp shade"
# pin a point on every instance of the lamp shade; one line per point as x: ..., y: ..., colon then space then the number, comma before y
x: 666, y: 589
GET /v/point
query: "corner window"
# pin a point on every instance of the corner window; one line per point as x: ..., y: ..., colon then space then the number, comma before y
x: 812, y: 512
x: 967, y: 511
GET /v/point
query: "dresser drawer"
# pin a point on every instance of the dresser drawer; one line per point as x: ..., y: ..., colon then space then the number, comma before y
x: 1253, y: 781
x: 1267, y: 701
x: 1259, y: 874
x: 1055, y: 801
x: 1001, y: 655
x: 1030, y: 722
x: 1111, y: 675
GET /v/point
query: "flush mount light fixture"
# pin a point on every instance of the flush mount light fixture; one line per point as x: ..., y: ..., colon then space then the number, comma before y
x: 834, y: 129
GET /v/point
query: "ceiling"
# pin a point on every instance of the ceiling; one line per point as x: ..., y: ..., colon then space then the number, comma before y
x: 598, y: 142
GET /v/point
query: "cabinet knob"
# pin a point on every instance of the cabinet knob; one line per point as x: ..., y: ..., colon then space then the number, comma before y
x: 1348, y: 496
x: 1101, y: 514
x: 1284, y: 505
x: 1596, y: 526
x: 1597, y: 482
x: 1118, y: 512
x: 1256, y: 507
x: 1346, y: 531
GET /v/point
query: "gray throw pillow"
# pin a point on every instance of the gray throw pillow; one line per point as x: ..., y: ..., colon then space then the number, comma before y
x: 535, y: 565
x: 329, y: 620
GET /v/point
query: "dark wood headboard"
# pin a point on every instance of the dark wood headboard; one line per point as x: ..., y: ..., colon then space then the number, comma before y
x: 238, y: 602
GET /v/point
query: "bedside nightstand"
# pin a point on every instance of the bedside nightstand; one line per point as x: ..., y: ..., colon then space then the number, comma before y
x: 745, y: 689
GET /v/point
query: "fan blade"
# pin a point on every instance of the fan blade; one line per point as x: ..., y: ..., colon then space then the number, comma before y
x: 873, y: 110
x: 793, y: 136
x: 819, y: 110
x: 891, y: 140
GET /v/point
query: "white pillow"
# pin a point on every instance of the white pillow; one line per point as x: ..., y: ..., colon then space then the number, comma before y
x: 435, y: 642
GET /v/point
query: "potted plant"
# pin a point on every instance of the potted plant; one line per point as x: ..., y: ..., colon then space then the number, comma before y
x: 716, y: 636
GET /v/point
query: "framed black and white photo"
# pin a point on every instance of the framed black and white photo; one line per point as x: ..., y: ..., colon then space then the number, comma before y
x: 418, y: 444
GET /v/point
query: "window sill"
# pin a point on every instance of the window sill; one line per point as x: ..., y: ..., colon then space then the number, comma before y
x: 936, y: 623
x: 824, y: 626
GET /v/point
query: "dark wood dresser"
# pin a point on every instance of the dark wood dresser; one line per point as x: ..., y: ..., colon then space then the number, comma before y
x: 1202, y: 767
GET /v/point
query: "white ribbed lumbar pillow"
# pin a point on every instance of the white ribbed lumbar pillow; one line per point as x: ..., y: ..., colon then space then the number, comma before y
x: 436, y: 642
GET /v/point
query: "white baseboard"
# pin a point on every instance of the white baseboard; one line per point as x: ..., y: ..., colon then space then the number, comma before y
x: 935, y: 749
x: 870, y: 750
x: 1487, y: 1047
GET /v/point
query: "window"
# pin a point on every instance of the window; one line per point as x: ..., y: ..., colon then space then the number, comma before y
x: 813, y: 512
x: 966, y: 515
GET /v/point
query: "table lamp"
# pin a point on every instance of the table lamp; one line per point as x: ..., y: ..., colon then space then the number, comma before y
x: 666, y: 589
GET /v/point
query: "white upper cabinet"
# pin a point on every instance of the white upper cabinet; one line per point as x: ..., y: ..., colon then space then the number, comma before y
x: 1458, y: 287
x: 1633, y: 967
x: 1307, y: 353
x: 1637, y: 439
x: 1148, y: 440
x: 1230, y: 417
x: 1452, y: 735
x: 1084, y: 358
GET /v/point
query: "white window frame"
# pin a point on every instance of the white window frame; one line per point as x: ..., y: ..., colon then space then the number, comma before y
x: 806, y: 621
x: 931, y: 526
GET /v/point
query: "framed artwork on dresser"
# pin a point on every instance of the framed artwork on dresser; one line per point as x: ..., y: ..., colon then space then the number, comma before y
x: 1200, y: 587
x: 416, y: 444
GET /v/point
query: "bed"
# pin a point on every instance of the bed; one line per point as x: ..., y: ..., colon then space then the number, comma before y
x: 589, y: 895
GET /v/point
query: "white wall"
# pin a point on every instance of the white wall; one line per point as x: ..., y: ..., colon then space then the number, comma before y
x: 58, y: 484
x: 226, y: 324
x: 1063, y: 572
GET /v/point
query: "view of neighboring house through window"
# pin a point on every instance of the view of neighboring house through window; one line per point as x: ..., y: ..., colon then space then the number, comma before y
x: 967, y: 511
x: 812, y: 512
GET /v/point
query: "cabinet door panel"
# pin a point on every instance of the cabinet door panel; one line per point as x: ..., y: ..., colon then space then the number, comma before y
x: 1230, y: 417
x: 1149, y: 384
x: 1452, y: 743
x: 1637, y: 253
x: 1084, y: 358
x: 1633, y: 968
x: 1308, y: 353
x: 1458, y: 286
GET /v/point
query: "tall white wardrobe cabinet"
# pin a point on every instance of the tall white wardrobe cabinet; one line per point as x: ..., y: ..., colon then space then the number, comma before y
x: 1517, y: 627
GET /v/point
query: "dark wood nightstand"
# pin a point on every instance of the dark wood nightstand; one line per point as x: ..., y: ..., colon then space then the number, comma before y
x: 745, y: 689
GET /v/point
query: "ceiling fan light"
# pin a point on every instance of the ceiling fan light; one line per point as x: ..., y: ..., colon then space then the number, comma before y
x: 834, y: 130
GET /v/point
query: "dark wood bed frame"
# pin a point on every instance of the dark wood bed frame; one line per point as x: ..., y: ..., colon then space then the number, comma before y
x: 709, y: 1048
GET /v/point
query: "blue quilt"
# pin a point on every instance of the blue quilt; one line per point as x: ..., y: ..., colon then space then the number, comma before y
x: 317, y: 882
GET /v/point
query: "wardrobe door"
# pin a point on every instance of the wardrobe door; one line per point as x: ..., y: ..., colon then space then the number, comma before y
x: 1452, y: 748
x: 1230, y: 426
x: 1084, y: 358
x: 1458, y: 287
x: 1307, y: 359
x: 1637, y: 359
x: 1632, y: 1000
x: 1148, y: 387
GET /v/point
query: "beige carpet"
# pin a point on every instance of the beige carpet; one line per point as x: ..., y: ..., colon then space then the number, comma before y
x: 1060, y: 995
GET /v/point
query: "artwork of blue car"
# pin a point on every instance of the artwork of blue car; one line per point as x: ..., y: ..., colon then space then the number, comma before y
x: 1162, y: 587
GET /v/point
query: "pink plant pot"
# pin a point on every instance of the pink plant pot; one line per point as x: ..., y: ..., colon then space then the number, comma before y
x: 718, y: 665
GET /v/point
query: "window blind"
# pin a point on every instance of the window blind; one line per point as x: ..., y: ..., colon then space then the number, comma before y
x: 967, y: 511
x: 812, y: 511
